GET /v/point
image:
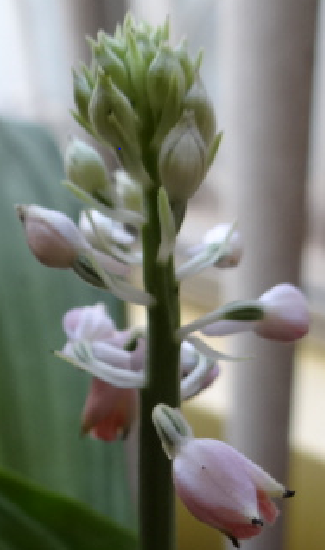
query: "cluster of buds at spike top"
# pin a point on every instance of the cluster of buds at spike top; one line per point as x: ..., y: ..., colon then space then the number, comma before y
x: 116, y: 359
x: 218, y: 485
x: 141, y: 94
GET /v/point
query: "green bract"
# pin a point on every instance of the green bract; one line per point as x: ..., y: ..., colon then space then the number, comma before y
x: 136, y: 95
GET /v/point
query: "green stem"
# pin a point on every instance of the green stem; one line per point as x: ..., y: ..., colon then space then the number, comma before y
x: 157, y: 507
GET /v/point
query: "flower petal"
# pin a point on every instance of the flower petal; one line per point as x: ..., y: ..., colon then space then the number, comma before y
x: 108, y: 411
x: 89, y: 323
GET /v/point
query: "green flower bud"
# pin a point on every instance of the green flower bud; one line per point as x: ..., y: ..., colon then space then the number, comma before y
x: 164, y: 67
x: 197, y: 100
x: 185, y: 62
x: 116, y: 43
x: 109, y: 105
x: 105, y: 58
x: 81, y: 93
x: 182, y: 159
x: 85, y: 167
x: 129, y: 193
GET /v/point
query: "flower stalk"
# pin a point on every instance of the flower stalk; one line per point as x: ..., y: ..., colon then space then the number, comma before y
x: 156, y: 506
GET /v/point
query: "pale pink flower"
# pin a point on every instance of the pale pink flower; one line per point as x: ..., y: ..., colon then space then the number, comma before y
x: 52, y: 237
x: 224, y: 489
x: 285, y: 316
x: 109, y: 411
x: 56, y: 241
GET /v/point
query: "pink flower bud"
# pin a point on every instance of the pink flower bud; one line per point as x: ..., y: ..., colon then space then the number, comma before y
x: 108, y: 412
x: 286, y: 316
x: 52, y: 237
x: 224, y: 489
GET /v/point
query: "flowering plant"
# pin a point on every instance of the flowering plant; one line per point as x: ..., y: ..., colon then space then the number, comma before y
x: 146, y: 101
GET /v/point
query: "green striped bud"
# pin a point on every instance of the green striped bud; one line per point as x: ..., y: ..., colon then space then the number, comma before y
x: 182, y: 159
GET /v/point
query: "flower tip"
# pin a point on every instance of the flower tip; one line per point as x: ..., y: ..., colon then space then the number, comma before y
x: 288, y: 494
x: 235, y: 542
x: 84, y: 430
x: 257, y: 521
x: 21, y: 212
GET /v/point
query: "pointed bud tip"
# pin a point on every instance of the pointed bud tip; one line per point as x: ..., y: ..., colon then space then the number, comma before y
x: 288, y: 494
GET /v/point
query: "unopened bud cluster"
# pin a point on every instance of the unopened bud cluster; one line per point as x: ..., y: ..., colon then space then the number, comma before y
x: 146, y: 100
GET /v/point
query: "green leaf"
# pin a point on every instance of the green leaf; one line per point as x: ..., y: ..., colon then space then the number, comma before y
x: 34, y: 519
x: 41, y: 398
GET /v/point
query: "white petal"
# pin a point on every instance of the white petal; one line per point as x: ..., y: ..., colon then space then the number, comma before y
x: 120, y: 378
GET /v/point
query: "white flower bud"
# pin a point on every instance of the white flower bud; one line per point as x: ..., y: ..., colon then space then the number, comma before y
x: 182, y: 159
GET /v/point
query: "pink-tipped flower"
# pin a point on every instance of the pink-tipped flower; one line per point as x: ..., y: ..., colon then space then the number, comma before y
x: 218, y: 485
x: 282, y: 311
x: 109, y: 411
x: 224, y: 489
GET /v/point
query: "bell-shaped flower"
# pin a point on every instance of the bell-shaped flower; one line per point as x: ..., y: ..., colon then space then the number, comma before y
x: 108, y: 412
x: 280, y: 314
x: 218, y: 485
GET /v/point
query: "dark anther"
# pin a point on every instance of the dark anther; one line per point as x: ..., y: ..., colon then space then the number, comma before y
x: 257, y: 521
x: 288, y: 493
x: 234, y: 541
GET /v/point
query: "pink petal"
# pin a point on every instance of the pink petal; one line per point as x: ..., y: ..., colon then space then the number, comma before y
x: 211, y: 480
x: 108, y: 411
x: 267, y: 508
x: 89, y: 323
x: 286, y: 314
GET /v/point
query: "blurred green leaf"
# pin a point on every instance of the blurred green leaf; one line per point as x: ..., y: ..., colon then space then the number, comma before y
x: 34, y: 519
x: 41, y: 398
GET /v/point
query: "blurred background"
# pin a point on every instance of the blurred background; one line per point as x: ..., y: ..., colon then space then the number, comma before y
x: 264, y: 69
